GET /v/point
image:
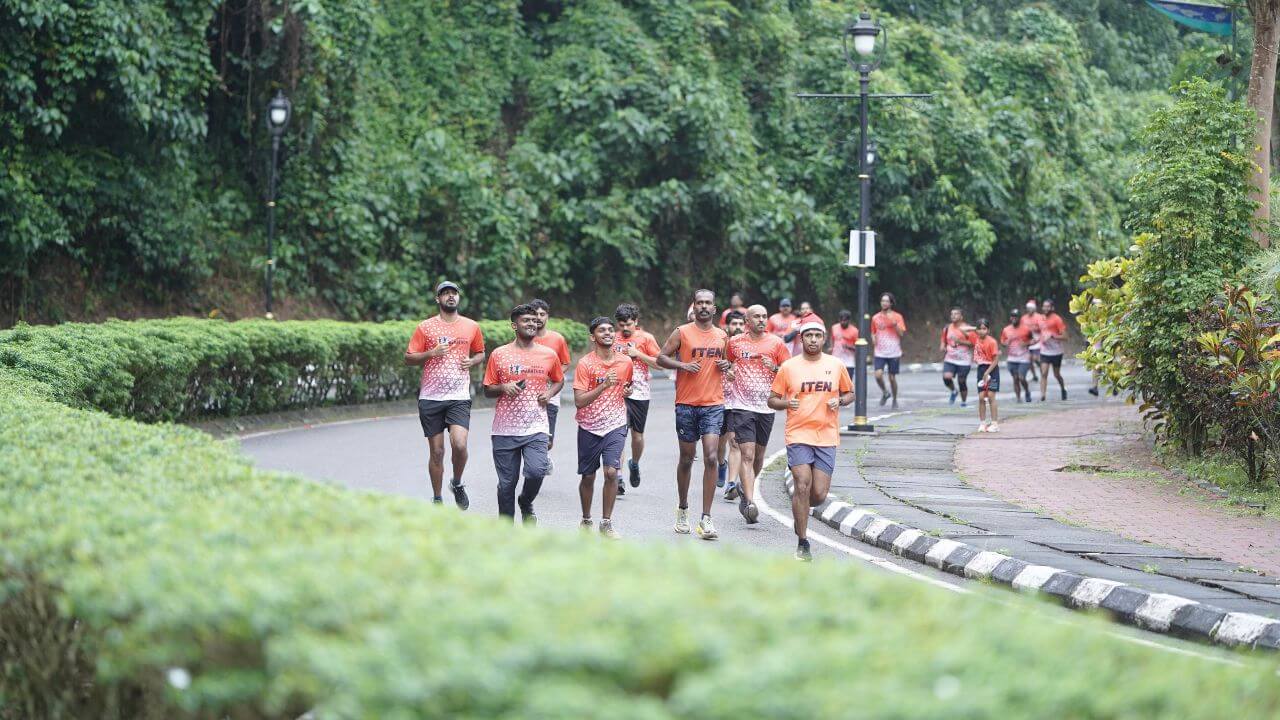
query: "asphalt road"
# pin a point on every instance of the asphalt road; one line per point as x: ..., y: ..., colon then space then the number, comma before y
x: 390, y: 455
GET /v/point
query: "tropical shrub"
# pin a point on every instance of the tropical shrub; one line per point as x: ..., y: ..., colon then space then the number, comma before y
x: 1192, y: 216
x: 149, y: 572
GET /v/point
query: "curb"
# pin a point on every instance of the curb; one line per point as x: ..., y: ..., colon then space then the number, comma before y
x: 1157, y: 612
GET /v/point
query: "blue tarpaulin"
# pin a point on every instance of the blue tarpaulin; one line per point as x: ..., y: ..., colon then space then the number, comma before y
x: 1213, y: 19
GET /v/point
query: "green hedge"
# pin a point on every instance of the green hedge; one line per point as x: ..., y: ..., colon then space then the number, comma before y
x: 184, y: 368
x: 147, y: 571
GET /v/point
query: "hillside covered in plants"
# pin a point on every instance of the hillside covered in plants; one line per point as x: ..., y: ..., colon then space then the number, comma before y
x: 594, y: 150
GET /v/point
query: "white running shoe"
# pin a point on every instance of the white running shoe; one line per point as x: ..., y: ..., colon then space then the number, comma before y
x: 706, y: 530
x: 585, y: 524
x: 682, y: 521
x: 993, y: 427
x: 982, y: 426
x: 606, y: 529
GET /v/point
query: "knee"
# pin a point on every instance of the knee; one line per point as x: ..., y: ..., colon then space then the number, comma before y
x: 817, y: 497
x: 711, y: 459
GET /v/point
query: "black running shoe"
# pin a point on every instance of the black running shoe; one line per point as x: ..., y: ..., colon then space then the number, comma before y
x: 634, y: 468
x: 1064, y: 393
x: 460, y: 495
x: 437, y: 501
x: 803, y: 553
x: 885, y: 398
x: 622, y: 487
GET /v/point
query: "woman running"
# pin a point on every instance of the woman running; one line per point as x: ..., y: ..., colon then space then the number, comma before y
x: 1016, y: 337
x: 958, y: 340
x: 986, y: 353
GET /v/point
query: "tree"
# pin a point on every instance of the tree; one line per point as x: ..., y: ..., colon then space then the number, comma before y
x: 1262, y: 88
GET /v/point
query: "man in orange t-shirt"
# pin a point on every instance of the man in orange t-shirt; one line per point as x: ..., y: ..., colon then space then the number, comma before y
x: 780, y: 322
x: 811, y: 387
x: 696, y: 351
x: 601, y: 383
x: 1053, y: 332
x: 447, y: 346
x: 643, y: 350
x: 523, y: 376
x: 556, y: 342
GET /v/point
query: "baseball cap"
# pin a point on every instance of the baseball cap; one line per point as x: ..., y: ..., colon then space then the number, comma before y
x: 447, y: 285
x: 784, y: 301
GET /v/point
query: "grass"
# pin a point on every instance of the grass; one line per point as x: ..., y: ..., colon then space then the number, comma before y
x: 1225, y: 471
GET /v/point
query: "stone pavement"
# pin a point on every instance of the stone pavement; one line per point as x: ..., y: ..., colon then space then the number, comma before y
x: 906, y: 474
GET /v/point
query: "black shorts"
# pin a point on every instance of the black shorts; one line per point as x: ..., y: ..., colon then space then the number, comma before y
x: 637, y: 415
x: 892, y: 364
x: 751, y: 427
x: 993, y: 382
x: 436, y: 415
x: 959, y: 372
x: 1054, y: 360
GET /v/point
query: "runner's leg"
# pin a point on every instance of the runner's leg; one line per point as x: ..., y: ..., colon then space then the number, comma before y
x: 586, y: 488
x: 802, y: 475
x: 458, y: 445
x: 506, y: 463
x: 684, y: 468
x: 1044, y: 380
x: 435, y: 463
x: 710, y: 469
x: 609, y: 492
x: 820, y: 487
x: 534, y: 453
x: 747, y: 469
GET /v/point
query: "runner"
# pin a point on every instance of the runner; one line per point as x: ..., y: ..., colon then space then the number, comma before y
x: 780, y: 322
x: 729, y: 456
x: 793, y: 335
x: 600, y: 385
x: 643, y: 350
x: 811, y: 387
x: 523, y: 376
x: 555, y: 341
x: 696, y: 351
x: 887, y: 329
x: 1032, y: 319
x: 1017, y: 338
x: 986, y: 353
x: 735, y: 305
x: 1052, y: 332
x: 756, y: 357
x: 447, y: 346
x: 958, y: 340
x: 844, y: 339
x: 1097, y: 346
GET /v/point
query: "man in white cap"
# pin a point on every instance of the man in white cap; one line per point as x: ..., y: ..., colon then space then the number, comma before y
x: 811, y: 387
x: 1031, y: 320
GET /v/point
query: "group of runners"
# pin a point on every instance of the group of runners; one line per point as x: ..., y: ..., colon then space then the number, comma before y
x: 728, y: 383
x: 731, y: 377
x: 1034, y: 342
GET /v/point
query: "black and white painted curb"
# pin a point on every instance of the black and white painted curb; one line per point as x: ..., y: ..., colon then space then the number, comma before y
x: 1157, y: 612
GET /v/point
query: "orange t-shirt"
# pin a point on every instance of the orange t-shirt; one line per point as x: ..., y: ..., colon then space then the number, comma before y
x: 645, y: 343
x: 986, y: 351
x: 780, y: 324
x: 442, y: 376
x: 608, y: 411
x: 538, y: 367
x: 1052, y: 331
x: 813, y: 382
x: 557, y: 343
x: 703, y: 388
x: 1018, y: 340
x: 843, y: 343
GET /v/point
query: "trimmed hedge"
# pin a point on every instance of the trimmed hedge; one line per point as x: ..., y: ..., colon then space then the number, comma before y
x: 185, y: 368
x: 151, y: 572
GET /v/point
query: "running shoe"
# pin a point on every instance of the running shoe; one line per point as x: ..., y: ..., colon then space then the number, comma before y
x: 706, y: 530
x: 606, y: 529
x: 1028, y: 396
x: 993, y: 427
x: 529, y: 518
x: 1093, y: 391
x: 885, y: 398
x: 551, y: 466
x: 954, y: 395
x: 585, y: 524
x: 1064, y: 393
x: 753, y: 514
x: 895, y: 403
x: 732, y: 492
x: 722, y: 473
x: 964, y: 403
x: 437, y: 500
x: 982, y: 427
x: 634, y: 468
x: 803, y: 553
x: 622, y: 487
x: 460, y: 495
x: 682, y: 521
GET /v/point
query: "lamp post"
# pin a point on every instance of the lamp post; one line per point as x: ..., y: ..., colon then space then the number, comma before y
x: 278, y: 112
x: 869, y: 42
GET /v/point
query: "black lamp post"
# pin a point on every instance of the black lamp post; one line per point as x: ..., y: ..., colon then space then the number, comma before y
x: 869, y: 42
x: 278, y: 112
x: 863, y: 59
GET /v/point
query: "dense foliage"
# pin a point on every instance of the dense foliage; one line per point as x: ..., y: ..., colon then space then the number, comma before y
x: 1193, y: 218
x: 149, y: 572
x: 185, y: 369
x: 590, y: 151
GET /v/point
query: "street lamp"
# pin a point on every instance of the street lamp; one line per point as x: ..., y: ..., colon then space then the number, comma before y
x: 278, y: 112
x: 865, y: 42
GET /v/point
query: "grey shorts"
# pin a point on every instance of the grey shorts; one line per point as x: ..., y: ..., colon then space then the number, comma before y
x: 695, y: 421
x: 821, y: 458
x: 594, y: 450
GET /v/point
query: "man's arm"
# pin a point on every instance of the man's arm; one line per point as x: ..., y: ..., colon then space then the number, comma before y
x: 669, y: 357
x: 846, y: 399
x: 776, y: 402
x: 474, y: 360
x: 583, y: 398
x: 636, y: 353
x: 552, y: 390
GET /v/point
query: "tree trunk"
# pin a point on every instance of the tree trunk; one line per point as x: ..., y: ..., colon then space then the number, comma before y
x: 1262, y: 87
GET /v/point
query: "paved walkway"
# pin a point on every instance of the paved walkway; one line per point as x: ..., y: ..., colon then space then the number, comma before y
x: 907, y: 474
x: 1109, y: 482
